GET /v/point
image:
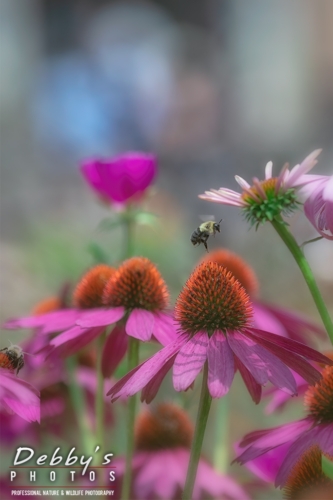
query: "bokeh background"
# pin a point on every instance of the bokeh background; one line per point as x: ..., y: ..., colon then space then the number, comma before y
x: 215, y: 88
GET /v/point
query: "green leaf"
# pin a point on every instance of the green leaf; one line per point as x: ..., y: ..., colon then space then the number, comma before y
x: 327, y: 466
x: 146, y: 218
x: 99, y: 255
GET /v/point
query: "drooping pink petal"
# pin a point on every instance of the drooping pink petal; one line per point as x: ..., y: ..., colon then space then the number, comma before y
x: 71, y: 341
x: 242, y: 182
x: 321, y: 435
x: 189, y: 361
x: 261, y: 363
x: 137, y: 378
x: 292, y: 345
x: 140, y: 324
x: 221, y: 366
x: 114, y: 350
x: 252, y: 385
x: 101, y: 317
x: 226, y: 197
x: 266, y: 466
x: 151, y: 389
x: 55, y: 321
x: 18, y: 395
x: 318, y: 208
x: 259, y: 442
x: 164, y: 328
x: 307, y: 164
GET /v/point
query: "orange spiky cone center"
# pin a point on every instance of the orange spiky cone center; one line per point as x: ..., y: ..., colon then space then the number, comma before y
x: 267, y: 185
x: 89, y: 291
x: 46, y: 306
x: 237, y: 266
x: 307, y: 477
x: 167, y: 426
x: 137, y: 284
x: 319, y: 398
x: 212, y: 299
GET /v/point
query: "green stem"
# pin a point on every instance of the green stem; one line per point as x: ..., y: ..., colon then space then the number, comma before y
x: 78, y: 400
x: 221, y: 435
x: 99, y: 401
x: 200, y: 427
x: 129, y: 233
x: 133, y: 361
x: 303, y: 264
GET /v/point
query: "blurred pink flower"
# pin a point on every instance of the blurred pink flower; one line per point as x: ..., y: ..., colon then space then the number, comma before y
x: 161, y: 458
x: 121, y: 179
x: 319, y: 207
x: 19, y: 396
x: 214, y: 315
x: 314, y: 430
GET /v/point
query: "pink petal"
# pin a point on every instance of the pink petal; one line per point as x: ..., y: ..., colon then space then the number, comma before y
x: 292, y: 345
x: 151, y: 389
x: 52, y: 322
x: 261, y: 363
x: 71, y: 341
x: 221, y: 367
x: 101, y: 317
x: 137, y: 378
x: 306, y: 165
x: 164, y: 328
x: 252, y: 385
x: 265, y: 320
x: 114, y: 350
x: 189, y: 361
x: 140, y: 324
x: 268, y: 170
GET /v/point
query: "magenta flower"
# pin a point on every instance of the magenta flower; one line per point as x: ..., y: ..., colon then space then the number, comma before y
x: 121, y: 179
x: 161, y: 457
x: 214, y: 315
x: 297, y: 437
x: 265, y: 316
x: 19, y: 396
x: 319, y: 207
x: 265, y: 200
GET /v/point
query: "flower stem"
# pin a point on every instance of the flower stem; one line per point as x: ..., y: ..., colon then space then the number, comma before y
x: 221, y: 435
x: 200, y: 427
x: 129, y: 233
x: 133, y: 361
x: 303, y: 264
x: 78, y: 401
x: 99, y: 401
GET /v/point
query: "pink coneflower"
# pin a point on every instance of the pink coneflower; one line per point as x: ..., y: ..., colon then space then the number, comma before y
x: 121, y: 179
x: 19, y: 396
x: 214, y: 313
x: 265, y: 316
x: 314, y: 430
x: 319, y: 207
x: 267, y: 199
x: 135, y: 293
x: 162, y: 451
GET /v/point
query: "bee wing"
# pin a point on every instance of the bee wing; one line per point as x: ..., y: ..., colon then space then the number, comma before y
x: 206, y: 218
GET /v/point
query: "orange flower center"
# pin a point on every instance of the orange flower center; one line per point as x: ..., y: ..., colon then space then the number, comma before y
x: 319, y: 398
x: 47, y: 305
x: 167, y: 426
x: 268, y: 186
x: 307, y: 479
x: 237, y: 266
x: 136, y: 284
x: 89, y: 291
x: 212, y: 299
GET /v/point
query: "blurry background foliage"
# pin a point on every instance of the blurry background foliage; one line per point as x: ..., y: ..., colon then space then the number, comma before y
x: 214, y: 88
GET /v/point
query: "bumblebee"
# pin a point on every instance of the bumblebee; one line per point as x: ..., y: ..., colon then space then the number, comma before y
x: 202, y: 233
x: 12, y: 358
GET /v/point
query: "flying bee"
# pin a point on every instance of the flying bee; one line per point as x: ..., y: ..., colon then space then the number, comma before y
x: 12, y: 358
x: 202, y: 233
